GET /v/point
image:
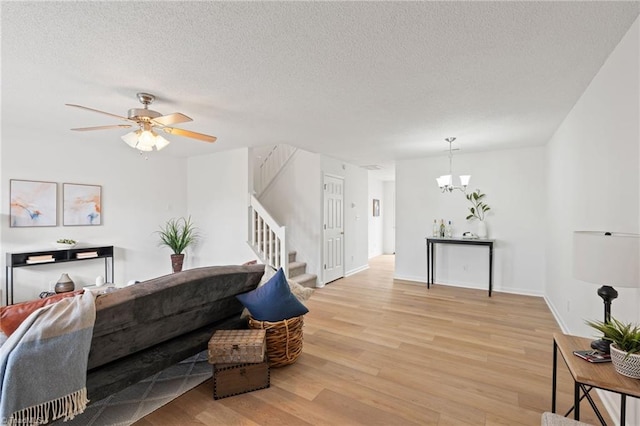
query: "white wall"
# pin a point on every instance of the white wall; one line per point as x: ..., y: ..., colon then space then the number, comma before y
x: 594, y: 158
x: 376, y: 223
x: 389, y: 219
x: 355, y: 216
x: 294, y: 199
x: 138, y: 196
x: 218, y: 188
x: 594, y: 184
x: 514, y: 181
x: 355, y: 211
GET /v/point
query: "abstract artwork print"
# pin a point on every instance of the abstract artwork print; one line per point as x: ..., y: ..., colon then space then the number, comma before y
x: 82, y: 204
x: 33, y: 203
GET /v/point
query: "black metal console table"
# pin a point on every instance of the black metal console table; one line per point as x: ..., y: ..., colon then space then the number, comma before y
x: 20, y: 260
x: 431, y: 264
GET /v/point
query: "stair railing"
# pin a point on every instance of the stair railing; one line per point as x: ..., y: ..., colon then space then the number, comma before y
x: 271, y: 166
x: 267, y: 238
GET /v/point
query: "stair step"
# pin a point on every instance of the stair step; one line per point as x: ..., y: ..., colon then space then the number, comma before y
x: 305, y: 280
x: 292, y: 256
x: 297, y: 268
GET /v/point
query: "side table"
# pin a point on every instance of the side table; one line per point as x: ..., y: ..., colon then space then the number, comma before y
x: 431, y: 254
x: 587, y: 376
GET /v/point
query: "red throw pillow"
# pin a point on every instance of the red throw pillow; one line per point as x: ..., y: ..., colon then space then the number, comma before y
x: 12, y: 316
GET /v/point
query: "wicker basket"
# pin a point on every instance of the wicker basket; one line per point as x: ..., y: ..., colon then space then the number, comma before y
x: 284, y: 339
x: 626, y: 365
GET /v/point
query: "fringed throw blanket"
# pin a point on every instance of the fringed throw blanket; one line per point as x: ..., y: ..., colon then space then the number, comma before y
x: 43, y: 364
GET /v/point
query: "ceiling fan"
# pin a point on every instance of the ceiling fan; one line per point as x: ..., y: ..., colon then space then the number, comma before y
x: 145, y: 138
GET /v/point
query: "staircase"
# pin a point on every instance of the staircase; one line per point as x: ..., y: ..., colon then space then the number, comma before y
x: 271, y: 166
x: 268, y: 241
x: 298, y: 272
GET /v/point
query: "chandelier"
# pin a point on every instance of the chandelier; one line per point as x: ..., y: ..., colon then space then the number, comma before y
x: 445, y: 182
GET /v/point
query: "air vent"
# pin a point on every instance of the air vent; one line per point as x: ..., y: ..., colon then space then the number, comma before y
x: 372, y: 167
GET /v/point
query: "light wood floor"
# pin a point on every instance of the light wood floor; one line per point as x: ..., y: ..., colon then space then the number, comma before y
x: 385, y: 352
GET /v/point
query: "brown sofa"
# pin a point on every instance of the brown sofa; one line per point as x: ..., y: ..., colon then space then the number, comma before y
x: 146, y: 327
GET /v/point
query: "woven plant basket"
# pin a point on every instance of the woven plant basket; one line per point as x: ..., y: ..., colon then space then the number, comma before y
x: 626, y: 365
x: 284, y: 339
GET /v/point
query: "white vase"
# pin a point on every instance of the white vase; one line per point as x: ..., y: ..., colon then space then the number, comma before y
x: 482, y: 229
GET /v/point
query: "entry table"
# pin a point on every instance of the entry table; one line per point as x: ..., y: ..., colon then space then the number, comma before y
x: 431, y: 264
x: 22, y: 260
x: 588, y: 375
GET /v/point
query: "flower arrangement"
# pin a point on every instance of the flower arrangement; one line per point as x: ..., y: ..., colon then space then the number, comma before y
x: 480, y: 208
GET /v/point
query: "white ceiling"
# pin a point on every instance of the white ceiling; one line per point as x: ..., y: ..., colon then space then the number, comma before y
x: 365, y: 82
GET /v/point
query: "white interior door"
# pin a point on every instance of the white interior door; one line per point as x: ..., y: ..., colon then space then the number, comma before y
x: 333, y: 232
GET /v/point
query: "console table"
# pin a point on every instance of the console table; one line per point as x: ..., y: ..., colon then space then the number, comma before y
x: 20, y: 260
x: 587, y: 376
x: 431, y: 264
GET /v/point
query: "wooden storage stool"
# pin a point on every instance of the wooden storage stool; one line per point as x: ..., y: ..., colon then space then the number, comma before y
x: 235, y: 379
x: 237, y: 346
x: 239, y: 362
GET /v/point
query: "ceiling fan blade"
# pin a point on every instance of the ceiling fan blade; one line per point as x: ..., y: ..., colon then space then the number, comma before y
x: 169, y: 119
x: 189, y: 134
x: 98, y: 111
x: 113, y: 126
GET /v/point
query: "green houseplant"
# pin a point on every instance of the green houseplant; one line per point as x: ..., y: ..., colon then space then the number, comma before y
x: 178, y: 234
x: 478, y: 210
x: 625, y: 345
x: 479, y: 207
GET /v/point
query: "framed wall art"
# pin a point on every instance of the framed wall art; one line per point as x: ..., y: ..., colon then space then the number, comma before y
x: 376, y: 207
x: 33, y: 203
x: 82, y: 204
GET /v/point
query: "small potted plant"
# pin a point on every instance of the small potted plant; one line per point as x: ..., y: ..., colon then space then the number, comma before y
x: 625, y: 345
x: 66, y: 243
x: 178, y: 234
x: 478, y: 210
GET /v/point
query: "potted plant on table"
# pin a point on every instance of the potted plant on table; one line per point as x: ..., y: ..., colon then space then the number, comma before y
x: 625, y: 345
x: 478, y: 210
x: 178, y: 234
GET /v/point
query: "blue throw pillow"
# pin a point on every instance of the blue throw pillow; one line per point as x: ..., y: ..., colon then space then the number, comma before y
x: 273, y: 301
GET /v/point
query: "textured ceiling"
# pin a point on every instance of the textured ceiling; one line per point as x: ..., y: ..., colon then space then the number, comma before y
x: 365, y: 82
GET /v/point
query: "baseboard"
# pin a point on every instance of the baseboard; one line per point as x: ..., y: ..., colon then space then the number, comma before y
x: 356, y: 270
x: 556, y: 315
x: 423, y: 281
x: 346, y: 274
x: 417, y: 280
x: 519, y: 291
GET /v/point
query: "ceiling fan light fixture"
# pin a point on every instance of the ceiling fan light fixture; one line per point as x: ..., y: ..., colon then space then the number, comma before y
x: 131, y: 138
x: 161, y: 142
x: 147, y: 139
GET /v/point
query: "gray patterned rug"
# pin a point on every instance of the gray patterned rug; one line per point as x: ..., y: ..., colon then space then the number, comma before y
x: 136, y: 401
